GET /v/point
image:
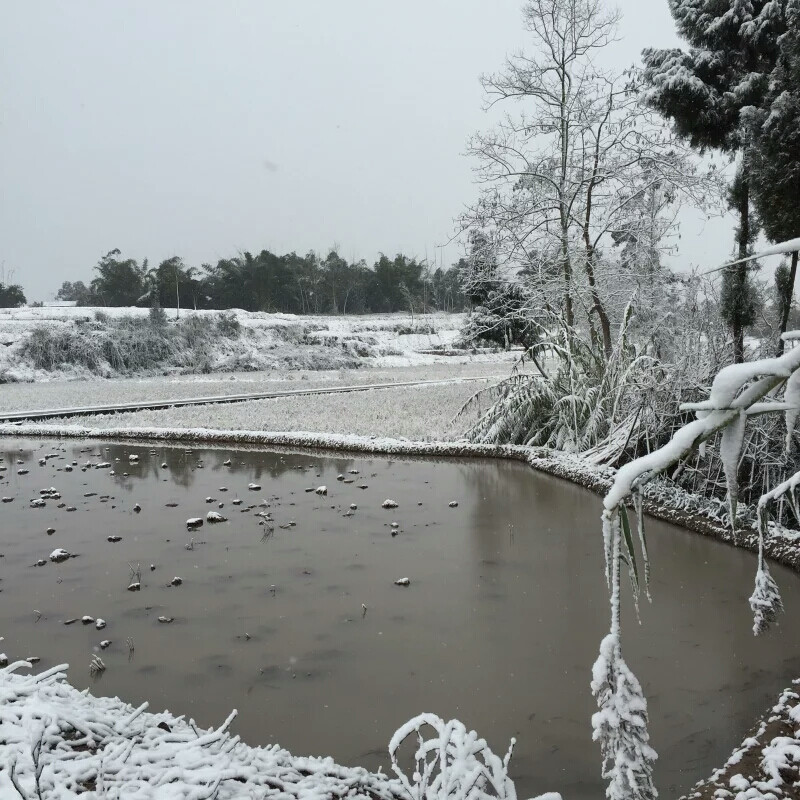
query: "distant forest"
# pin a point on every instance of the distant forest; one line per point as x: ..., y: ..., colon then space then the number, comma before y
x: 268, y: 282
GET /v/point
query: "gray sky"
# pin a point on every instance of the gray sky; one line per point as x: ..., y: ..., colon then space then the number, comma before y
x: 202, y: 128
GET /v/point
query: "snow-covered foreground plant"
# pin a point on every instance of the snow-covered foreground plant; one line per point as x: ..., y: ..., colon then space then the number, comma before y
x: 737, y: 392
x: 57, y: 742
x: 453, y: 763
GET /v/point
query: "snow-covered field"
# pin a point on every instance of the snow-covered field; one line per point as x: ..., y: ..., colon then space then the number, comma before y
x: 251, y: 341
x: 420, y: 413
x: 109, y: 391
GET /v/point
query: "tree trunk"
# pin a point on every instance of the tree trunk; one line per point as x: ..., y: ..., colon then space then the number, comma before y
x: 787, y: 302
x: 741, y: 269
x: 597, y: 303
x: 569, y: 314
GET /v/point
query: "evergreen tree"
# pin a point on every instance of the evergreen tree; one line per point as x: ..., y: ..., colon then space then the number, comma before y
x: 733, y: 51
x: 776, y: 155
x: 11, y: 295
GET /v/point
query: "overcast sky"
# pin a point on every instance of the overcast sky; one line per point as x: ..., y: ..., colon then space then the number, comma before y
x: 202, y: 128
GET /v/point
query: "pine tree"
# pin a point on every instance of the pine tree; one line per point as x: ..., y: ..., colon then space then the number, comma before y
x: 734, y: 47
x: 776, y: 154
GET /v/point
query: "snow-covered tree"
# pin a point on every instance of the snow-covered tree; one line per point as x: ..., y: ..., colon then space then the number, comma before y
x: 776, y: 152
x: 572, y: 170
x: 703, y: 91
x: 738, y: 391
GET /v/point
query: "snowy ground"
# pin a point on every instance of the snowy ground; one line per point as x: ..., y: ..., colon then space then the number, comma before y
x: 74, y: 393
x: 767, y: 765
x: 420, y: 413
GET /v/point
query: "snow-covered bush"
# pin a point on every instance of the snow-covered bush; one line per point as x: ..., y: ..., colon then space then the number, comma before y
x: 452, y: 763
x: 738, y: 392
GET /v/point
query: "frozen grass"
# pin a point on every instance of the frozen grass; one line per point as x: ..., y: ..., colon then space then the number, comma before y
x: 420, y: 413
x: 77, y: 343
x: 72, y: 393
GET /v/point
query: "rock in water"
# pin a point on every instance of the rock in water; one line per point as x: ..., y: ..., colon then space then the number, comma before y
x: 59, y: 555
x: 213, y: 516
x: 194, y: 522
x: 387, y: 503
x: 402, y: 582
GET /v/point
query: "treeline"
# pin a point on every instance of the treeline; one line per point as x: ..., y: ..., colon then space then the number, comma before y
x: 276, y: 283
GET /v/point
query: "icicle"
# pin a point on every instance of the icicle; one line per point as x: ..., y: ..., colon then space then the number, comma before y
x: 765, y: 601
x: 638, y: 505
x: 730, y: 449
x: 610, y: 527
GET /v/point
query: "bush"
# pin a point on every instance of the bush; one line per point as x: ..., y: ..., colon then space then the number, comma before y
x: 228, y: 325
x: 158, y: 317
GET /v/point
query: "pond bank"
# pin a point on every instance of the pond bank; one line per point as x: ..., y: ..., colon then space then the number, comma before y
x: 768, y: 762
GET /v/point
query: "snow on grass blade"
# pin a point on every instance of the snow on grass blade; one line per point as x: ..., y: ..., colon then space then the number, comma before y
x: 730, y: 449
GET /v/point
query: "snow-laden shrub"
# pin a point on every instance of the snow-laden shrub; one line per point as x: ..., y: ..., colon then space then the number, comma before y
x: 577, y: 400
x: 452, y: 763
x: 228, y: 325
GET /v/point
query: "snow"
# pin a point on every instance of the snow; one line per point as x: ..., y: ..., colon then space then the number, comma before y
x: 98, y: 743
x: 777, y: 757
x: 621, y: 726
x: 266, y: 342
x: 66, y: 394
x: 416, y: 412
x: 453, y: 763
x: 735, y: 388
x: 58, y: 743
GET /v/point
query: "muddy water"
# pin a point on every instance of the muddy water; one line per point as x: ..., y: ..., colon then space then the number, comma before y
x: 499, y: 626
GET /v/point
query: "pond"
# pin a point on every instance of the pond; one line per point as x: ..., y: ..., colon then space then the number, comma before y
x: 289, y: 610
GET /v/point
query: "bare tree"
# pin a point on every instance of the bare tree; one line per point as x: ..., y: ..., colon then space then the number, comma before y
x: 574, y: 171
